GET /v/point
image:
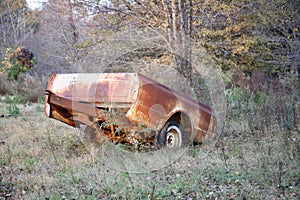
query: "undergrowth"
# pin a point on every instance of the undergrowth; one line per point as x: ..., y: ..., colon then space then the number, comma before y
x: 257, y: 156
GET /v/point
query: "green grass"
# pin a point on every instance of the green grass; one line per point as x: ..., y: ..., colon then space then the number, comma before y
x: 42, y: 158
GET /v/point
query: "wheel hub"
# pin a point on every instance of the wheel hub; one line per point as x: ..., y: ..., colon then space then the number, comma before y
x: 171, y: 140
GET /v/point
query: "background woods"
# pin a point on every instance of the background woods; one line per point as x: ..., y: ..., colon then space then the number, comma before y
x: 245, y: 35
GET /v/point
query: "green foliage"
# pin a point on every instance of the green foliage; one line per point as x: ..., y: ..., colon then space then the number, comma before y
x: 12, y: 102
x: 13, y: 109
x: 261, y: 110
x: 16, y: 62
x: 39, y: 108
x: 259, y: 98
x: 29, y: 164
x: 13, y: 99
x: 245, y: 97
x: 41, y: 100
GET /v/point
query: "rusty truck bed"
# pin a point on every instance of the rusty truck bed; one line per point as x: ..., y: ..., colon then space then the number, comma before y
x: 130, y: 102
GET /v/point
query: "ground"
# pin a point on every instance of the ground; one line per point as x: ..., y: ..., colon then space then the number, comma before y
x: 42, y: 158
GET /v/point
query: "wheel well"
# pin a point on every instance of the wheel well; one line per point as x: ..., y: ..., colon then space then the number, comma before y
x: 182, y: 119
x: 184, y: 122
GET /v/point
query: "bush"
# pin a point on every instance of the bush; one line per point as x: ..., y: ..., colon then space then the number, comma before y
x: 16, y: 62
x: 257, y: 111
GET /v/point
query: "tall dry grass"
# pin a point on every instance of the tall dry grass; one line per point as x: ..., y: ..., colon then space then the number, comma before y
x: 29, y: 87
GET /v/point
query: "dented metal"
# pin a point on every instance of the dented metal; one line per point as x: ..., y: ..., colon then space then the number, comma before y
x: 125, y: 107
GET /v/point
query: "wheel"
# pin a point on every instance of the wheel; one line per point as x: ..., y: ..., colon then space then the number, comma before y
x: 170, y: 136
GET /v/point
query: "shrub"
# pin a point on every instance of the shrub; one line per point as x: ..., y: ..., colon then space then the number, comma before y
x: 13, y: 109
x: 16, y: 62
x: 258, y: 110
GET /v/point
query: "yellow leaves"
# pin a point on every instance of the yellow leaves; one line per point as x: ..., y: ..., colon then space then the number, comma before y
x: 6, y: 64
x: 17, y: 61
x: 242, y: 44
x: 239, y: 49
x: 14, y: 4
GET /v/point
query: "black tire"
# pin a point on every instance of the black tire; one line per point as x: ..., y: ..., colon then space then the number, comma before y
x: 171, y: 136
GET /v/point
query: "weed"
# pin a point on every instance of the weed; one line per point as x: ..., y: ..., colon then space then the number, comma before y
x: 124, y: 182
x: 41, y: 100
x: 39, y: 108
x: 29, y: 164
x: 51, y: 146
x: 13, y: 109
x: 16, y: 98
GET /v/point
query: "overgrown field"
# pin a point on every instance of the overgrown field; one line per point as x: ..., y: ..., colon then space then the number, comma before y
x: 254, y: 158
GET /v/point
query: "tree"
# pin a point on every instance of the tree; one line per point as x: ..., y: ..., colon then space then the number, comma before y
x: 250, y: 35
x: 16, y: 24
x: 61, y: 32
x: 172, y: 16
x: 279, y: 31
x: 243, y: 34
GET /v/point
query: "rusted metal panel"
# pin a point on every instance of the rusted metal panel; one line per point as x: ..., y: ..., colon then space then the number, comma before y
x: 154, y: 103
x: 95, y: 88
x: 129, y: 101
